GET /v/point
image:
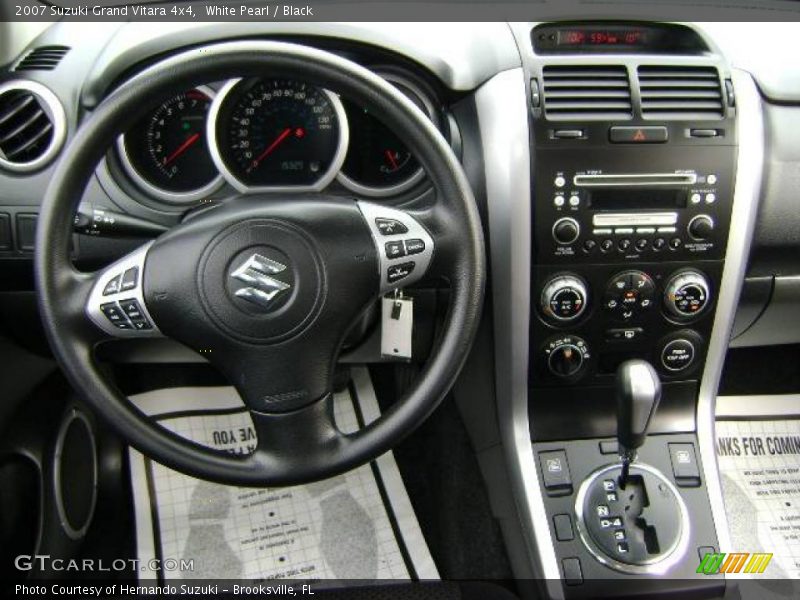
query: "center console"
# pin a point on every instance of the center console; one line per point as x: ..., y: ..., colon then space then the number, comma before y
x: 634, y: 151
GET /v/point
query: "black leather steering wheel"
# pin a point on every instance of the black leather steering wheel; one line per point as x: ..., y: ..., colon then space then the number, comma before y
x: 329, y: 250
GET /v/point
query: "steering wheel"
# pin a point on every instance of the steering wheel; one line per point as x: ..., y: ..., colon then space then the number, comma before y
x: 327, y: 254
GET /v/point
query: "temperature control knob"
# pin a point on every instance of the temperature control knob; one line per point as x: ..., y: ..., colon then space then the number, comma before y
x: 686, y: 294
x: 564, y: 298
x: 566, y: 230
x: 566, y: 355
x: 701, y: 227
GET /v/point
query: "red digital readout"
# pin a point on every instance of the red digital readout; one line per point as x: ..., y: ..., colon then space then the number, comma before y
x: 577, y: 37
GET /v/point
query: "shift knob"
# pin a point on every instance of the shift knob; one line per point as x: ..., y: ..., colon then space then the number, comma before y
x: 638, y: 393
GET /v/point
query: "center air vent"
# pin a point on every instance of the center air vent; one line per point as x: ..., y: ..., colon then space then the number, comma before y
x: 587, y: 92
x: 32, y: 125
x: 674, y: 92
x: 43, y: 58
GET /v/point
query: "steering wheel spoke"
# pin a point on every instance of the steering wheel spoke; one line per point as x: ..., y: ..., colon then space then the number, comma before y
x: 116, y: 303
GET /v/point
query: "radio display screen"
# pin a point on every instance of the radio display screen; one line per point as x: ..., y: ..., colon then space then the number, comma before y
x: 622, y: 199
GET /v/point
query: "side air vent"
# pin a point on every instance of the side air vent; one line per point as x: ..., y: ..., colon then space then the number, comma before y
x: 587, y: 92
x: 674, y: 92
x: 44, y: 58
x: 32, y: 125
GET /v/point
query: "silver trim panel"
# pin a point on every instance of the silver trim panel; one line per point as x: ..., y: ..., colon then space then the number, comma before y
x: 747, y: 192
x: 655, y: 567
x: 503, y: 119
x: 320, y: 184
x: 160, y: 193
x: 50, y: 103
x: 136, y: 259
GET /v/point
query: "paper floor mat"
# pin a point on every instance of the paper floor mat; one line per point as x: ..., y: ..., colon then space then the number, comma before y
x: 759, y: 463
x: 359, y: 525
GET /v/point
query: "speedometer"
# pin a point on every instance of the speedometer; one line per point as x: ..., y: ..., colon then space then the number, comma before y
x: 277, y: 134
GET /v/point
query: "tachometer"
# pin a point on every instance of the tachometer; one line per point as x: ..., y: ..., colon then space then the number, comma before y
x: 167, y: 153
x: 277, y: 134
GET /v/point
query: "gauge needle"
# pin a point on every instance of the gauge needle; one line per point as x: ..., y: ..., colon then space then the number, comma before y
x: 284, y: 134
x: 182, y: 148
x: 390, y: 155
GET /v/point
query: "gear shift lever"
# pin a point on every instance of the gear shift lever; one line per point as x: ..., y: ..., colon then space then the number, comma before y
x: 638, y: 394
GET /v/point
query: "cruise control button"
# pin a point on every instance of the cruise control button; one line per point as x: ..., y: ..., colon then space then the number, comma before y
x: 395, y: 249
x: 415, y: 246
x: 132, y: 309
x: 123, y: 325
x: 130, y: 279
x: 142, y: 325
x: 397, y: 272
x: 112, y: 312
x: 113, y: 286
x: 390, y: 226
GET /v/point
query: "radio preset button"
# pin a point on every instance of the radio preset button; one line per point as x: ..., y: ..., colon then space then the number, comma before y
x: 606, y: 245
x: 641, y: 244
x: 659, y: 243
x: 675, y: 243
x: 624, y: 244
x: 589, y: 246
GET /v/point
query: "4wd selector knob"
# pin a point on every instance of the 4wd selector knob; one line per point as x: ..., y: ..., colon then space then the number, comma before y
x: 686, y: 294
x: 564, y: 298
x: 566, y: 355
x: 566, y: 230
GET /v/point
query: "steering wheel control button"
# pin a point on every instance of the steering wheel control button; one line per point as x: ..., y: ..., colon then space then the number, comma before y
x: 131, y: 309
x: 555, y: 472
x: 415, y: 246
x: 397, y: 272
x: 395, y: 250
x: 686, y: 294
x: 564, y: 298
x: 113, y: 312
x: 677, y: 355
x: 390, y: 226
x: 130, y: 279
x: 684, y: 464
x: 113, y: 286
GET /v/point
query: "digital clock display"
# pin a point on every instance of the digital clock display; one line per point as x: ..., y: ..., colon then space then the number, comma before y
x: 602, y: 37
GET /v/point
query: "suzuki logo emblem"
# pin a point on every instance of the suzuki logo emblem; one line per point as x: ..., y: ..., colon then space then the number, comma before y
x: 257, y: 272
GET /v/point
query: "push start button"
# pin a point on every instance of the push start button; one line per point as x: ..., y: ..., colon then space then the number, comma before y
x: 677, y: 355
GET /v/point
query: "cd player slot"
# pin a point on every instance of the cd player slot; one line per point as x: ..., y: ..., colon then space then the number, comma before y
x: 635, y: 219
x: 626, y: 180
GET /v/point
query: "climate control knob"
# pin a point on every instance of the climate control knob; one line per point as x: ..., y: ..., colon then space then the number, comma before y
x: 700, y: 227
x: 566, y: 355
x: 687, y: 294
x: 566, y: 230
x: 564, y: 298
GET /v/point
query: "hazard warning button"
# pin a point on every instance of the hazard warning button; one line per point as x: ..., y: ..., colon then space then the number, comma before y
x: 638, y: 135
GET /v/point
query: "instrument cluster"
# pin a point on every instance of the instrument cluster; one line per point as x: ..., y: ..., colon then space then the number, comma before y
x: 268, y: 135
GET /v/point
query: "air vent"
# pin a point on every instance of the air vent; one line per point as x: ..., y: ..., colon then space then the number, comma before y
x: 587, y: 92
x: 687, y: 93
x: 32, y: 125
x: 44, y: 58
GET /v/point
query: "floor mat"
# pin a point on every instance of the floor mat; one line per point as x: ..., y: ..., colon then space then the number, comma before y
x: 359, y: 525
x: 759, y: 463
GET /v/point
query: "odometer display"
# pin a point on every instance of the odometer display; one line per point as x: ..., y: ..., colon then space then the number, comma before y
x: 166, y: 153
x: 279, y: 133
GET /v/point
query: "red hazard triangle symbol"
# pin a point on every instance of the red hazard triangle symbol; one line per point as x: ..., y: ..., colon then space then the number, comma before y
x: 639, y: 136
